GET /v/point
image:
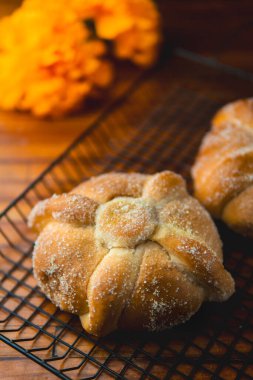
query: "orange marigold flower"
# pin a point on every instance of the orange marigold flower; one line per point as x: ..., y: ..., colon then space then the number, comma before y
x: 133, y: 25
x: 50, y: 61
x: 48, y: 64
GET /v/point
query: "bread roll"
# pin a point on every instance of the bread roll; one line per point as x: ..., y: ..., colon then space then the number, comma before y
x: 223, y: 171
x: 128, y: 251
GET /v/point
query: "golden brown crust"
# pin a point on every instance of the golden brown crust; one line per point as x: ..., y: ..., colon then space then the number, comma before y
x: 141, y: 254
x: 163, y: 295
x: 239, y: 112
x: 105, y: 187
x: 223, y: 169
x: 239, y: 212
x: 197, y: 260
x: 164, y: 185
x: 109, y: 289
x: 64, y: 258
x: 68, y: 208
x: 189, y: 216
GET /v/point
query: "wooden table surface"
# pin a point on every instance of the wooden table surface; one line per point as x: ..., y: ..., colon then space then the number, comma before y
x: 219, y: 28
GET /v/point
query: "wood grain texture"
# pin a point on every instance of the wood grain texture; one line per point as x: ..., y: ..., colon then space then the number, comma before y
x: 28, y: 145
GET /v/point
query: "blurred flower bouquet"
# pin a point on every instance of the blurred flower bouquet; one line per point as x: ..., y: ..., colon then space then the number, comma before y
x: 55, y: 54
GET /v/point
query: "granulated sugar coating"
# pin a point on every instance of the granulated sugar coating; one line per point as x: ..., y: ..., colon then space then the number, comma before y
x: 125, y: 222
x: 223, y: 171
x: 129, y: 251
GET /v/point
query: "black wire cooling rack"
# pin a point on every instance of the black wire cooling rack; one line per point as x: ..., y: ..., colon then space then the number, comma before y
x: 166, y: 113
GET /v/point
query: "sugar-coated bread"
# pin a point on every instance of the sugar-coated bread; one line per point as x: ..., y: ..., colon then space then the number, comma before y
x: 223, y: 170
x: 128, y: 251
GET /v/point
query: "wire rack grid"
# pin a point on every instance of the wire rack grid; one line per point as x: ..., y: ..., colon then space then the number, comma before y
x: 164, y: 127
